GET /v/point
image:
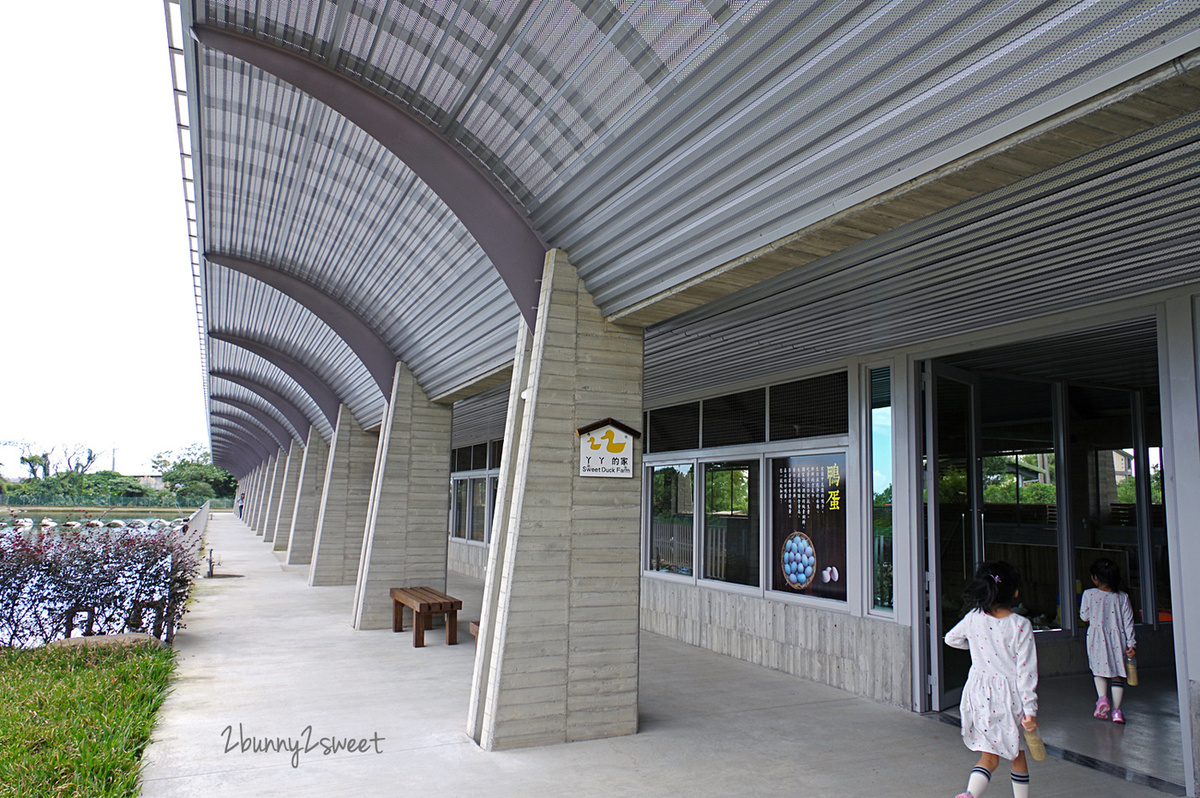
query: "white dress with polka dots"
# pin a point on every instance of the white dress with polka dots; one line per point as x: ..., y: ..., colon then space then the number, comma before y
x: 1110, y: 630
x: 1002, y: 685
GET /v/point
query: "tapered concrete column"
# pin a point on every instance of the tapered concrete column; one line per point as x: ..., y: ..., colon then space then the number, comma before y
x: 309, y: 491
x: 337, y: 547
x: 1179, y: 378
x: 271, y: 516
x: 560, y: 642
x: 287, y: 496
x: 264, y: 501
x: 405, y: 540
x: 256, y: 509
x: 251, y: 495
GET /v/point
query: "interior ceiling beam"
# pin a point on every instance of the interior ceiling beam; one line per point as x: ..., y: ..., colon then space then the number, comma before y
x: 241, y: 437
x: 500, y: 228
x: 295, y: 416
x: 320, y: 391
x: 262, y: 433
x: 372, y: 350
x: 280, y: 431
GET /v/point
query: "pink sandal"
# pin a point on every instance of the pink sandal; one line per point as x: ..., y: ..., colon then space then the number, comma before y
x: 1101, y: 708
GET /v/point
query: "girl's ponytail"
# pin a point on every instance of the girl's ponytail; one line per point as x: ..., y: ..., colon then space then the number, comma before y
x: 995, y: 582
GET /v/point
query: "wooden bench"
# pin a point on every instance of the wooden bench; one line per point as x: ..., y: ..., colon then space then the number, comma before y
x: 425, y: 603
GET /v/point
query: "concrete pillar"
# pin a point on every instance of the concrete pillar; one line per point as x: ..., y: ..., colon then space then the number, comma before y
x: 272, y: 514
x: 264, y: 494
x: 405, y: 539
x: 337, y: 546
x: 558, y: 648
x: 309, y: 491
x: 254, y: 495
x: 1179, y: 344
x: 287, y: 496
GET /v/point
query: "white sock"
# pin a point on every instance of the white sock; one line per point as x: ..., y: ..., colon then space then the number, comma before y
x: 1102, y: 686
x: 1020, y: 783
x: 979, y: 780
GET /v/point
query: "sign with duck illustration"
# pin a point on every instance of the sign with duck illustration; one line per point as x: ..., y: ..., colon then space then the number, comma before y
x: 606, y: 449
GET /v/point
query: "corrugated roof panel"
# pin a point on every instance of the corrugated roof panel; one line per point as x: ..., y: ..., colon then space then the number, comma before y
x: 320, y: 199
x: 242, y: 306
x: 480, y: 418
x: 1118, y: 223
x: 226, y: 358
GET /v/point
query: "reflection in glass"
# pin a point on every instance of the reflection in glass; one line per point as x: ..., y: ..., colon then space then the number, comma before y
x: 672, y: 519
x: 460, y: 508
x: 1020, y: 491
x: 479, y: 517
x: 731, y: 522
x: 881, y: 487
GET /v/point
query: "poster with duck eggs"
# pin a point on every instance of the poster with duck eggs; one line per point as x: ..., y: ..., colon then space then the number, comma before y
x: 808, y: 518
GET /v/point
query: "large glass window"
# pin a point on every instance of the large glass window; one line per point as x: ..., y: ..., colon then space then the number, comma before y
x: 731, y: 522
x: 1020, y: 490
x: 808, y: 519
x: 881, y: 488
x: 459, y: 530
x: 672, y: 519
x: 479, y: 507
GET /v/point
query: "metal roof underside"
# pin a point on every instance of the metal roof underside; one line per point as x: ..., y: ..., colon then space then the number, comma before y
x: 1122, y: 222
x: 653, y: 140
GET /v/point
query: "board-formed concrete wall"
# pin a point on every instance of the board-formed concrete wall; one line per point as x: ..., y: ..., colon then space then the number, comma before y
x: 871, y: 657
x: 308, y: 500
x: 468, y: 559
x: 337, y: 546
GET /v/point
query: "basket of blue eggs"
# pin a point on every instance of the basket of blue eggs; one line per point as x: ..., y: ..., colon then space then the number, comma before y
x: 799, y: 560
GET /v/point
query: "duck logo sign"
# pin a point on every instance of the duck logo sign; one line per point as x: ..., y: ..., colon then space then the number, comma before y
x: 606, y: 449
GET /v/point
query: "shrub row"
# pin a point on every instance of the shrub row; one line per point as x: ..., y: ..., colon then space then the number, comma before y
x: 66, y: 583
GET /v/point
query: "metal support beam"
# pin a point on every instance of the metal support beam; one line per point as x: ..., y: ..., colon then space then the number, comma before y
x: 320, y: 391
x: 280, y: 431
x: 292, y: 412
x: 501, y: 229
x: 260, y: 432
x: 239, y: 436
x: 372, y: 350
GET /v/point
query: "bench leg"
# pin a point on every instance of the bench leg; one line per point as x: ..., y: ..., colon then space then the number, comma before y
x: 397, y: 616
x: 420, y: 623
x: 452, y: 627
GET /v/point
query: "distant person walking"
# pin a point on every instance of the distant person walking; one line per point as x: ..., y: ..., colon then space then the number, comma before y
x: 1000, y: 696
x: 241, y: 503
x: 1110, y: 638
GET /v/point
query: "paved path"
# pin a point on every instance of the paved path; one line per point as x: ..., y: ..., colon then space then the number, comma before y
x: 266, y: 656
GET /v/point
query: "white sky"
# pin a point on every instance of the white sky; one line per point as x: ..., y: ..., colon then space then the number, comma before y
x: 100, y: 347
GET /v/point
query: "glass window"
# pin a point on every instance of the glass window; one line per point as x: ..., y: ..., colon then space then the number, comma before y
x: 460, y: 508
x: 672, y: 519
x: 731, y: 522
x: 736, y: 418
x: 479, y: 514
x: 881, y: 488
x: 808, y: 408
x: 674, y: 428
x: 808, y: 540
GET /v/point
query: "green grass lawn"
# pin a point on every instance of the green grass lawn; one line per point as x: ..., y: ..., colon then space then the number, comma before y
x: 74, y: 721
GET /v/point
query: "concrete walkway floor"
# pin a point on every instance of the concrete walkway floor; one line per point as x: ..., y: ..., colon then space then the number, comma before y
x: 265, y: 656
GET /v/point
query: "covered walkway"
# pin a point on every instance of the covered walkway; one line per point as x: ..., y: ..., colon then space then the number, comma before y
x: 264, y: 656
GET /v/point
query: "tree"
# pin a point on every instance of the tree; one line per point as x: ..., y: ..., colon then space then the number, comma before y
x: 184, y: 474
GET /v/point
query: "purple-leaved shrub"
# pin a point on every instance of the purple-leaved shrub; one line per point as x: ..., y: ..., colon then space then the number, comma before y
x: 68, y: 583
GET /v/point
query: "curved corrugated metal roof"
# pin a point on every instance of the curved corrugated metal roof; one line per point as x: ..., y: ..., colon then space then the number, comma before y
x: 653, y: 140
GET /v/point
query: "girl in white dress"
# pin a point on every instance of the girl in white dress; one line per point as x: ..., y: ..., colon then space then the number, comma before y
x: 1110, y: 638
x: 1000, y: 696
